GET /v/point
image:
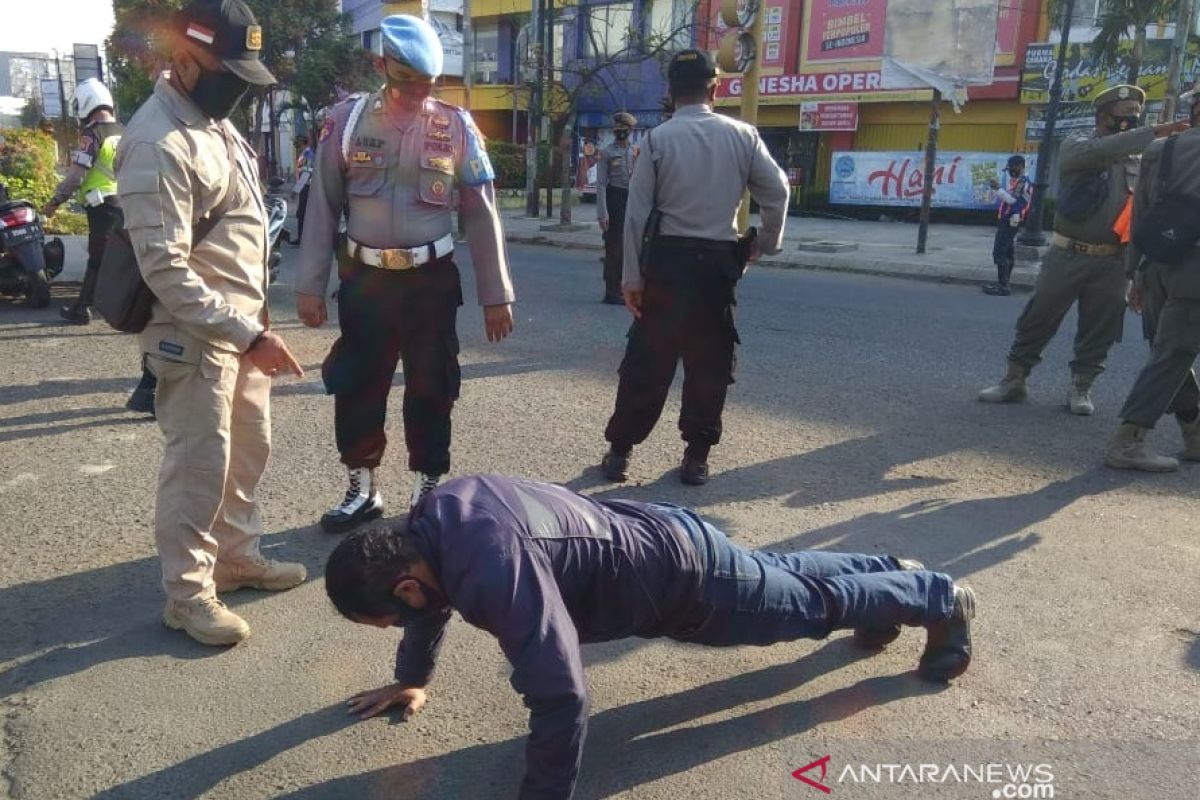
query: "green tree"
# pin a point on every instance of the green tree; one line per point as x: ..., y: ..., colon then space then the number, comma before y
x: 32, y: 113
x: 1120, y: 18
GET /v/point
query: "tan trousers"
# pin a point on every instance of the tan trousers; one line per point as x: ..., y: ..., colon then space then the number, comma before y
x: 216, y: 417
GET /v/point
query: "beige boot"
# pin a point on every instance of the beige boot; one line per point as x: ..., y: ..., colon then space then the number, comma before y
x: 1011, y: 389
x: 1079, y: 399
x: 1128, y: 451
x: 1191, y: 439
x: 258, y: 573
x: 207, y: 620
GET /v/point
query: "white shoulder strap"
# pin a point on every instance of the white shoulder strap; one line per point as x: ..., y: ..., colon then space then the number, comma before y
x: 360, y: 105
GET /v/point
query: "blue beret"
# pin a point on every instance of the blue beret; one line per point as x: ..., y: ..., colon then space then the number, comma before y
x: 413, y: 42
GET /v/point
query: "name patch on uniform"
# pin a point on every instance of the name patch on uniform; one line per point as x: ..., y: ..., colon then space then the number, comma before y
x: 439, y: 147
x: 170, y: 347
x: 369, y: 142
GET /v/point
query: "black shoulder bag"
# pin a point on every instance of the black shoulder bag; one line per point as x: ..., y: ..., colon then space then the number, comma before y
x: 1169, y: 230
x: 653, y: 220
x: 122, y: 296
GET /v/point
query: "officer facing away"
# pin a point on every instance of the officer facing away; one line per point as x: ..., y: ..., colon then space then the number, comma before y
x: 183, y: 165
x: 394, y: 159
x: 304, y: 170
x: 544, y: 570
x: 1014, y: 196
x: 1168, y: 298
x: 693, y: 169
x: 93, y: 179
x: 612, y: 194
x: 1086, y: 259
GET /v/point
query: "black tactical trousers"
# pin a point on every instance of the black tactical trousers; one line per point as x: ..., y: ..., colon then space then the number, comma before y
x: 1167, y: 384
x: 1003, y: 251
x: 101, y: 220
x: 614, y: 239
x: 301, y: 210
x: 387, y: 316
x: 687, y: 313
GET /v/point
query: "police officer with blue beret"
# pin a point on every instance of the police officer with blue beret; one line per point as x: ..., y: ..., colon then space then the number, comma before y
x: 397, y: 160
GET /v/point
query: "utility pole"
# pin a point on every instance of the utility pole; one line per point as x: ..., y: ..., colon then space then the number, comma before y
x: 533, y: 117
x: 1033, y: 235
x: 546, y: 79
x: 935, y: 125
x: 1183, y: 28
x: 750, y: 100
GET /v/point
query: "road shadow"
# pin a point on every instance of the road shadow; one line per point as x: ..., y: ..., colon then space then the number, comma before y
x: 68, y: 624
x: 129, y: 418
x: 1192, y: 656
x: 627, y: 746
x: 70, y: 387
x: 470, y: 372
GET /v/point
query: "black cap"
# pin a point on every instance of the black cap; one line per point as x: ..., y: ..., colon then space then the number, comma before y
x: 1016, y: 161
x: 228, y: 30
x: 690, y: 66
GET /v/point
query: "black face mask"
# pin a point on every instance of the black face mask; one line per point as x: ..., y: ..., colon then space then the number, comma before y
x: 217, y: 93
x: 621, y: 135
x: 1125, y: 123
x: 1016, y: 173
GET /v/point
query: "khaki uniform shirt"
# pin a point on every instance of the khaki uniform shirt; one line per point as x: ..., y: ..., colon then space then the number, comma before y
x: 1121, y: 155
x: 173, y: 168
x: 614, y: 168
x: 398, y: 185
x: 1181, y: 280
x: 695, y: 168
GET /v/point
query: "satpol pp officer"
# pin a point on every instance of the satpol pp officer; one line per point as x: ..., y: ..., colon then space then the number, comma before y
x: 395, y: 160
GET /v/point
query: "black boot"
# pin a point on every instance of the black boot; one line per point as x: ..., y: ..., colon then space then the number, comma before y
x: 693, y: 471
x: 79, y: 312
x: 142, y: 399
x: 615, y: 464
x: 948, y: 646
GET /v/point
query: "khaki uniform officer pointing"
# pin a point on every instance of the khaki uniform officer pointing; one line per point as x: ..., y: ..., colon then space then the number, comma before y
x: 1086, y: 260
x: 182, y: 169
x: 393, y: 160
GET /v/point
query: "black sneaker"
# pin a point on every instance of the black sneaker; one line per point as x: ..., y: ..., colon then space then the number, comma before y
x: 76, y: 315
x: 141, y: 401
x: 361, y: 503
x: 948, y: 646
x: 878, y: 638
x: 997, y: 290
x: 615, y: 466
x: 613, y: 300
x: 693, y: 471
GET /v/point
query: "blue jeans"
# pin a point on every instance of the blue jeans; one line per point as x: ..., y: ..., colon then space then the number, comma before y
x: 750, y: 597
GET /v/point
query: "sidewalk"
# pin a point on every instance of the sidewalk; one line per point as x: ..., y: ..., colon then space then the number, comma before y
x: 954, y: 253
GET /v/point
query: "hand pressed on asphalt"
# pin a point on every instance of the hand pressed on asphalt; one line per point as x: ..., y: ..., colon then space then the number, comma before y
x: 376, y: 701
x: 497, y: 321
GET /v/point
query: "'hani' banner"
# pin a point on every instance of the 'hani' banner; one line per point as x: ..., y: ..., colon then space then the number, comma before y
x: 960, y: 180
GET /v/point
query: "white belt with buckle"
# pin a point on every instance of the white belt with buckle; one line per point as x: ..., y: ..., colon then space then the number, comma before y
x: 399, y: 257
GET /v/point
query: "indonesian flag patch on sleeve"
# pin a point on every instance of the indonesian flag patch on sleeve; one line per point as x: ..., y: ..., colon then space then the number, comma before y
x: 200, y: 33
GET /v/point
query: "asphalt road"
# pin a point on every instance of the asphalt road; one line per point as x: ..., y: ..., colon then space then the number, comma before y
x: 852, y: 426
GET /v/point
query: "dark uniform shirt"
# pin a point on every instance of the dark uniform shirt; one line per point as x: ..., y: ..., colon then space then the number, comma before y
x: 1183, y: 280
x: 543, y: 569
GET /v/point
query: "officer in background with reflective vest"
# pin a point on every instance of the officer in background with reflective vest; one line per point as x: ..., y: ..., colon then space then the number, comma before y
x: 395, y: 159
x: 613, y: 169
x: 1014, y: 196
x: 1086, y: 259
x: 93, y: 180
x: 1168, y: 298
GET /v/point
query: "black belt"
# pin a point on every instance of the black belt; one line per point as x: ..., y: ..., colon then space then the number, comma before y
x: 692, y: 243
x: 624, y: 189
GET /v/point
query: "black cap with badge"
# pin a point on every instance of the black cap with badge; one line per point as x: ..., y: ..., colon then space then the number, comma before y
x: 228, y: 30
x: 690, y: 66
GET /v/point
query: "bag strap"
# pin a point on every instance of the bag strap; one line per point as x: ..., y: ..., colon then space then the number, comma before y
x: 1164, y: 168
x: 206, y: 224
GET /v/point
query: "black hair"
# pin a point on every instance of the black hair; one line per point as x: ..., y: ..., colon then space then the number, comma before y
x: 300, y: 137
x: 362, y: 569
x: 690, y: 89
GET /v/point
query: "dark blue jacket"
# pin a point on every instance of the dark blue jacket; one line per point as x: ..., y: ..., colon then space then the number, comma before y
x: 543, y: 569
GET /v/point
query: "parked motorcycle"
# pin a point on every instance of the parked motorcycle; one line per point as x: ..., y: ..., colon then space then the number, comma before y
x: 277, y: 212
x: 27, y: 262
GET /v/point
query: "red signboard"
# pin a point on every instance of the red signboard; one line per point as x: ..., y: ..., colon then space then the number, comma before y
x: 829, y: 116
x: 800, y: 85
x: 1008, y: 27
x: 844, y: 30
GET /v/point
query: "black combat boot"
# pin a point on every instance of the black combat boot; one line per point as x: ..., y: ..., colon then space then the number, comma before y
x: 948, y: 646
x: 79, y: 313
x: 615, y: 464
x: 694, y: 469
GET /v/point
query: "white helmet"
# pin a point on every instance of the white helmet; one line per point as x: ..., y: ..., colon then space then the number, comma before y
x: 89, y: 96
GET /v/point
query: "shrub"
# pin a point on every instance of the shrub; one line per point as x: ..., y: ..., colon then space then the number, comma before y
x: 67, y: 223
x: 27, y: 161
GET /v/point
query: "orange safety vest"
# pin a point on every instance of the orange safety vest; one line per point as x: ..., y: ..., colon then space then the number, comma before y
x: 1123, y: 227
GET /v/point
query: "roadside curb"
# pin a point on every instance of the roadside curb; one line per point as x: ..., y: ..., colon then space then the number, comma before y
x: 1023, y: 278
